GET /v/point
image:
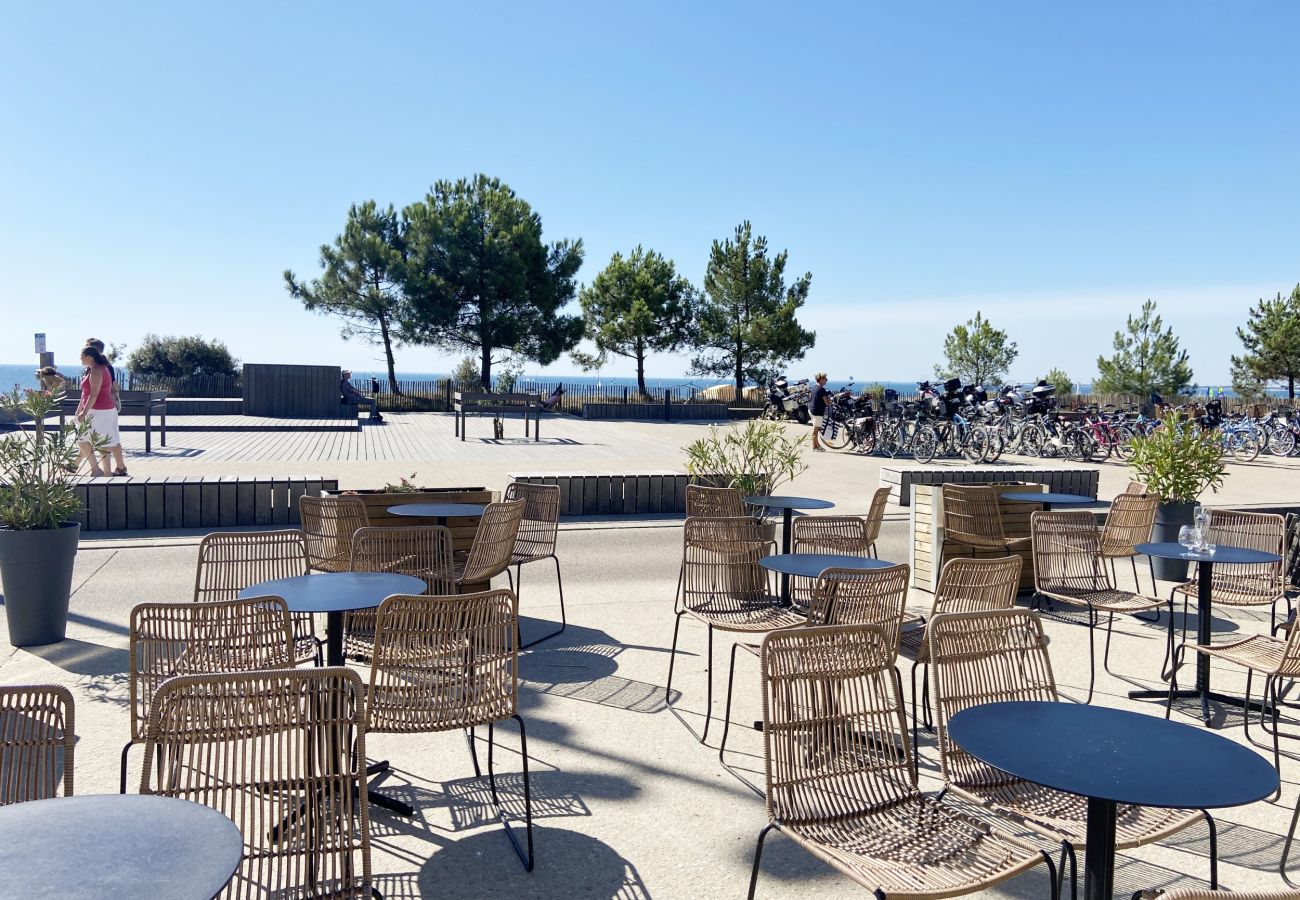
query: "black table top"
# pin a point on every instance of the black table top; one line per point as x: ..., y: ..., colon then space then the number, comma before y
x: 327, y: 592
x: 115, y: 845
x: 811, y: 565
x: 1114, y: 754
x: 436, y: 510
x: 1054, y: 499
x: 1233, y: 555
x: 789, y: 502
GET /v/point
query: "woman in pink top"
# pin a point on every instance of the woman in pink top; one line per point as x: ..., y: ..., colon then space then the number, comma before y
x: 97, y: 407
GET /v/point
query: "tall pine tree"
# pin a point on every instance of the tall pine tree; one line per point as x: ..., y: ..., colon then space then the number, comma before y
x: 1271, y: 339
x: 1147, y: 359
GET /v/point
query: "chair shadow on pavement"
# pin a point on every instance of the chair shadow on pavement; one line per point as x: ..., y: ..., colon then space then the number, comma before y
x: 84, y: 658
x: 580, y: 664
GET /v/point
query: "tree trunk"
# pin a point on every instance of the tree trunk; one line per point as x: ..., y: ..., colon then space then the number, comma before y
x: 388, y: 355
x: 740, y: 371
x: 1290, y: 387
x: 640, y: 369
x: 485, y: 373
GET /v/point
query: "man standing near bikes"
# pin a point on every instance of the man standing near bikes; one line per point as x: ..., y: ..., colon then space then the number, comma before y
x: 819, y: 398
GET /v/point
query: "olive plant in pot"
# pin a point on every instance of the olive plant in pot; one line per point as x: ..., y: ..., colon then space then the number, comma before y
x: 1177, y: 462
x: 38, y: 537
x: 755, y: 458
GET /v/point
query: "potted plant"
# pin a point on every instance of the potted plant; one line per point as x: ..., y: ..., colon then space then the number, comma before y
x: 1177, y: 462
x: 755, y: 458
x: 38, y: 537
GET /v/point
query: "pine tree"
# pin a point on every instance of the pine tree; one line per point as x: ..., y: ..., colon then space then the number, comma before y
x: 1147, y: 359
x: 1271, y: 340
x: 977, y: 353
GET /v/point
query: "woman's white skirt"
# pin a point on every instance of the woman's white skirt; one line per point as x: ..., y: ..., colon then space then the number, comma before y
x: 103, y: 422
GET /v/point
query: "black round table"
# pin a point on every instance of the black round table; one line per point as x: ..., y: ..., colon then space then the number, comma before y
x: 335, y: 593
x: 115, y: 845
x: 440, y: 511
x: 1112, y: 756
x: 1205, y: 564
x: 811, y: 565
x: 788, y: 505
x: 1049, y: 499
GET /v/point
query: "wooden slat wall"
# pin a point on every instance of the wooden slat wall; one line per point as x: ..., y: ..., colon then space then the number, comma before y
x: 927, y: 528
x: 192, y: 501
x: 905, y: 479
x: 589, y: 494
x: 287, y: 391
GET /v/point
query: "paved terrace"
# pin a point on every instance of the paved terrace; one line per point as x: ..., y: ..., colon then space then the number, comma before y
x: 423, y: 443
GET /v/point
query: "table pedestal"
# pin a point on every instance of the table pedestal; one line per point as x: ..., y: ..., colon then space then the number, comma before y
x: 1099, y: 861
x: 1204, y: 610
x: 787, y: 523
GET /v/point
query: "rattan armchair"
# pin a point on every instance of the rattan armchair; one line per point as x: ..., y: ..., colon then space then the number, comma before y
x: 840, y: 781
x: 1001, y: 655
x: 842, y: 597
x: 724, y: 588
x: 1128, y: 523
x: 1069, y: 567
x: 965, y: 585
x: 841, y: 535
x: 329, y: 524
x: 1276, y: 659
x: 273, y: 751
x: 971, y: 517
x: 171, y: 639
x: 38, y: 740
x: 714, y: 502
x: 1243, y: 585
x: 494, y: 545
x: 230, y: 561
x: 538, y: 531
x: 450, y: 664
x: 423, y: 551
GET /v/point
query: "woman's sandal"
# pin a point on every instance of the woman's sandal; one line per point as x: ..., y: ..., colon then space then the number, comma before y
x: 119, y: 472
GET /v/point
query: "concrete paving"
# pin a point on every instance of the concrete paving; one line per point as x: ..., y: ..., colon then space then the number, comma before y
x: 628, y: 804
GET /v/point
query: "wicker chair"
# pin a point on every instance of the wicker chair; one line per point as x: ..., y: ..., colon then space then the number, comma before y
x: 714, y: 502
x: 1069, y: 567
x: 423, y: 551
x: 447, y: 664
x: 1240, y: 585
x: 38, y: 740
x: 1198, y: 893
x: 536, y: 541
x: 231, y: 561
x: 840, y: 781
x: 1276, y: 659
x: 1001, y: 655
x: 965, y: 585
x: 171, y: 639
x: 329, y: 524
x: 843, y: 597
x: 272, y: 750
x: 1128, y: 523
x: 493, y: 549
x: 725, y: 589
x: 971, y: 518
x: 842, y: 535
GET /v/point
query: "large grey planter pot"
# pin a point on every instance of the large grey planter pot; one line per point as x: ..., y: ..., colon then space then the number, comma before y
x: 1169, y: 518
x: 36, y: 578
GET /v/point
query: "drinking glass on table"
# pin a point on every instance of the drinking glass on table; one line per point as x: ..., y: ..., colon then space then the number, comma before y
x: 1189, y: 536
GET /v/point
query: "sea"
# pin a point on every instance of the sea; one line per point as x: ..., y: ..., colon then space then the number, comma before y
x: 24, y: 376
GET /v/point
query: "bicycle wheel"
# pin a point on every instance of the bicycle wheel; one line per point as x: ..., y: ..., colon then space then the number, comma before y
x: 997, y: 443
x: 1031, y: 441
x: 925, y: 444
x: 1281, y: 441
x: 1245, y: 447
x: 864, y: 441
x: 835, y: 435
x: 770, y: 413
x: 888, y: 439
x: 976, y: 445
x: 1124, y: 437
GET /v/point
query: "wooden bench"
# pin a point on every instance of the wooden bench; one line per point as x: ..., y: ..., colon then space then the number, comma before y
x: 1062, y: 480
x: 193, y: 501
x: 134, y: 403
x: 465, y: 402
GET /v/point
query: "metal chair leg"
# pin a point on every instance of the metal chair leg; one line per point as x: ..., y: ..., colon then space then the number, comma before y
x: 758, y: 857
x: 564, y: 619
x: 672, y: 658
x: 524, y: 857
x: 708, y: 694
x: 726, y: 718
x: 125, y: 752
x: 1286, y: 846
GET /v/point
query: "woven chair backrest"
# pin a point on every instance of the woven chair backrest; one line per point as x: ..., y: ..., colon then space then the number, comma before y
x: 232, y: 561
x: 256, y: 746
x: 862, y: 597
x: 1255, y: 531
x: 1067, y: 552
x: 714, y: 502
x: 876, y: 515
x: 971, y: 515
x: 494, y: 542
x: 984, y: 657
x: 1128, y: 522
x: 444, y: 663
x: 720, y: 570
x: 329, y: 524
x: 38, y: 739
x: 541, y: 521
x: 831, y: 534
x: 422, y: 551
x: 834, y: 740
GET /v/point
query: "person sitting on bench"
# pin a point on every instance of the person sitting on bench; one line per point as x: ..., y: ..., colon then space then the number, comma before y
x: 549, y: 402
x: 356, y: 398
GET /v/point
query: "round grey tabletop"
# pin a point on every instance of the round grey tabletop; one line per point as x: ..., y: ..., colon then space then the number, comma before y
x: 789, y: 502
x: 333, y: 592
x: 1049, y: 498
x: 115, y: 845
x: 811, y: 565
x: 436, y: 510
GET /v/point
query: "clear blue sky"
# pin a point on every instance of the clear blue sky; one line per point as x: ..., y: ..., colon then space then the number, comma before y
x: 1050, y: 164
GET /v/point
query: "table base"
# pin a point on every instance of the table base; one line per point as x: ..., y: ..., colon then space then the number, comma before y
x: 1099, y: 861
x: 1205, y: 697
